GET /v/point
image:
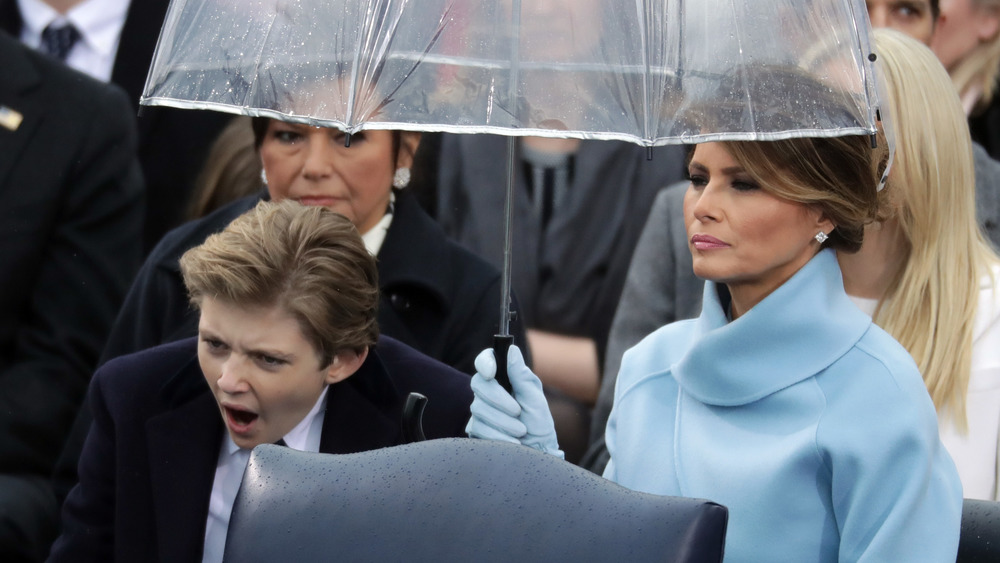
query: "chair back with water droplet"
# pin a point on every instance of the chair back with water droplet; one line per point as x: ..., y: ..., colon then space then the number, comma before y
x: 457, y: 500
x: 980, y: 539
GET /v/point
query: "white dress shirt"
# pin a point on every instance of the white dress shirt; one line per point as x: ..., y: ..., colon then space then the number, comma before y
x: 229, y: 474
x: 977, y: 452
x: 100, y: 25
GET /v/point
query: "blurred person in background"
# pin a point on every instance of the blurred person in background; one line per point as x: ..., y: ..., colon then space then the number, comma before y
x: 967, y: 42
x: 925, y: 273
x: 71, y: 224
x: 113, y: 41
x: 232, y: 170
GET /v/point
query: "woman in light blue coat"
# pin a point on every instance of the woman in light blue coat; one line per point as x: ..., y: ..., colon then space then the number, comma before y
x: 782, y: 400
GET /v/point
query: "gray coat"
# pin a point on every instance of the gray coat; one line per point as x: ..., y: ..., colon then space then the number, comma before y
x: 661, y: 287
x: 987, y: 193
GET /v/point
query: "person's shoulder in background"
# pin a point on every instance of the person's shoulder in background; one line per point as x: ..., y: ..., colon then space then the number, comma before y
x: 71, y: 224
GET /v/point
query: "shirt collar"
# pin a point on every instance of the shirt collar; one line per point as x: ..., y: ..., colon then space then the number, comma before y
x: 375, y: 236
x: 970, y: 98
x: 299, y: 438
x: 98, y: 21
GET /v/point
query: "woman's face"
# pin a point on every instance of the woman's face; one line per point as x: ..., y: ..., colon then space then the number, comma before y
x: 963, y: 26
x: 264, y: 374
x: 912, y: 17
x: 312, y: 166
x: 741, y: 235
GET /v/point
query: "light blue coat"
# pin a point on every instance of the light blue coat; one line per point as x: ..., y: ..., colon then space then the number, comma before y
x: 805, y: 419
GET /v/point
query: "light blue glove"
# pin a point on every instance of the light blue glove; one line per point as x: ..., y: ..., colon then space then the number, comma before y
x: 521, y: 419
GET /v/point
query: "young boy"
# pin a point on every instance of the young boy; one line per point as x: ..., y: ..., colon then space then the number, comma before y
x: 286, y: 352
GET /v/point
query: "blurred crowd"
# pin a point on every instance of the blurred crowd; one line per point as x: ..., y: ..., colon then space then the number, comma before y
x: 103, y: 199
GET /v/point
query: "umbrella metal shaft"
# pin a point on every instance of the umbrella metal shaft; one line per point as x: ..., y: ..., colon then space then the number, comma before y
x: 508, y: 225
x: 503, y: 340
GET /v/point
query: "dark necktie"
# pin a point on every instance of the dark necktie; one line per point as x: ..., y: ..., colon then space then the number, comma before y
x: 547, y: 185
x: 58, y: 41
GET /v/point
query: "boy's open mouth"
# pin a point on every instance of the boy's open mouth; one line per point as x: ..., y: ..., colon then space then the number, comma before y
x: 240, y: 417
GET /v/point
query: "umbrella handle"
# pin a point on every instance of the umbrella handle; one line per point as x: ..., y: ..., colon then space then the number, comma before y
x: 501, y: 344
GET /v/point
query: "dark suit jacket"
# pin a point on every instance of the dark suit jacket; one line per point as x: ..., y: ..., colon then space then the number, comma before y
x: 172, y: 142
x: 435, y: 297
x: 149, y: 462
x: 71, y: 214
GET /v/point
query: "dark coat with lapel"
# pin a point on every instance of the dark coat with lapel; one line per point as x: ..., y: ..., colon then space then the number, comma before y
x: 149, y: 462
x: 71, y: 215
x: 173, y: 143
x: 437, y: 296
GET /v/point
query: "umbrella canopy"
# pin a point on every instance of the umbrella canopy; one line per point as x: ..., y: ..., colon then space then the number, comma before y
x: 650, y: 72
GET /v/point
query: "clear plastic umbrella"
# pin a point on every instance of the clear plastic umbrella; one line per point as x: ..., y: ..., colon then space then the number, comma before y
x: 643, y: 71
x: 651, y: 72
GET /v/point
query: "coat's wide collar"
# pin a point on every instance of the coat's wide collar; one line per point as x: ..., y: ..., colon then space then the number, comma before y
x: 792, y: 334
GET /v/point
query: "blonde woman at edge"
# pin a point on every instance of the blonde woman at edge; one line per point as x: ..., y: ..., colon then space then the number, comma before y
x: 967, y: 42
x: 926, y: 273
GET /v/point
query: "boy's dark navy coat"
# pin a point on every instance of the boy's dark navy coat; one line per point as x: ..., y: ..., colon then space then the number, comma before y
x: 149, y: 461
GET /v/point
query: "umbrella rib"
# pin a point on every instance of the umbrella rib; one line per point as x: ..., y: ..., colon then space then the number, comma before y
x: 743, y: 67
x: 349, y: 116
x: 645, y: 16
x: 866, y: 77
x: 257, y: 64
x: 417, y: 60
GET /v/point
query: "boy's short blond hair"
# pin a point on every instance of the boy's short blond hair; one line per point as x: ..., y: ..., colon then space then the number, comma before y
x: 306, y: 259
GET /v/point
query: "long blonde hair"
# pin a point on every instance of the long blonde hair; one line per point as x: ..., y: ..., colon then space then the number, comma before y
x: 930, y: 306
x: 982, y: 65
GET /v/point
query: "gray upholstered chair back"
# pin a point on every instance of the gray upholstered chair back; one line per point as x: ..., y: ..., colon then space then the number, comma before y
x: 457, y: 500
x: 980, y: 539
